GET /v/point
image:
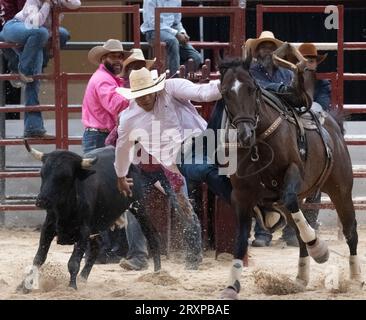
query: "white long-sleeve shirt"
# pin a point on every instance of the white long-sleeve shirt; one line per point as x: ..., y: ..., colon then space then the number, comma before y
x: 36, y: 13
x: 162, y: 130
x: 170, y: 22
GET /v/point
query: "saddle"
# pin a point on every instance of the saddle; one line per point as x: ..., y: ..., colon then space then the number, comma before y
x: 313, y: 119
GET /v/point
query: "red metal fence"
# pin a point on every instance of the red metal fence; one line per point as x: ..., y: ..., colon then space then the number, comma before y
x: 237, y: 37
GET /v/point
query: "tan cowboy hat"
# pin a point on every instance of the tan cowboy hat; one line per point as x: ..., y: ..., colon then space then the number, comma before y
x: 309, y: 50
x: 252, y: 44
x: 246, y: 47
x: 95, y: 54
x: 141, y: 84
x: 137, y: 55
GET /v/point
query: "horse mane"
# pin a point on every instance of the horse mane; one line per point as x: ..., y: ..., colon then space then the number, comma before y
x: 232, y: 63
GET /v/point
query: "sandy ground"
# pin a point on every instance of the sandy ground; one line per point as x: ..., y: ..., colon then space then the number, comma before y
x: 269, y: 275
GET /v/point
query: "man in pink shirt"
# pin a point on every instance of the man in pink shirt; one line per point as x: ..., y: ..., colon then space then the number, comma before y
x: 102, y: 104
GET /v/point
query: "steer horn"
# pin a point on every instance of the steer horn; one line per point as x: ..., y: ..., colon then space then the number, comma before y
x: 35, y: 153
x: 88, y: 162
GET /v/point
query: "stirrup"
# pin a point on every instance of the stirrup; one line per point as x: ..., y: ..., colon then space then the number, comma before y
x: 270, y: 220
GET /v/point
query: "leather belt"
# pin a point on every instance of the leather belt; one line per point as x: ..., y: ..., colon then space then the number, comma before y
x: 97, y: 130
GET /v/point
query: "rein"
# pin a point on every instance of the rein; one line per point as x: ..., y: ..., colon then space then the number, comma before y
x: 255, y: 160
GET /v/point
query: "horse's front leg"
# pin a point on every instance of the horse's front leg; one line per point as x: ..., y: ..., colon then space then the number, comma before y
x: 244, y: 222
x: 316, y: 248
x: 303, y: 267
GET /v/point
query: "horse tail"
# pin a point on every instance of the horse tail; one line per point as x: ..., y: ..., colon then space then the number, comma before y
x: 339, y: 116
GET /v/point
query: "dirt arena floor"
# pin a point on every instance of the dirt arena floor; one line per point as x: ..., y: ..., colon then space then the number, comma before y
x: 270, y: 274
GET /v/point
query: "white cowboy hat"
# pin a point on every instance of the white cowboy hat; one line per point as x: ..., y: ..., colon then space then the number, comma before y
x: 141, y: 84
x: 95, y: 54
x: 252, y: 44
x: 137, y: 55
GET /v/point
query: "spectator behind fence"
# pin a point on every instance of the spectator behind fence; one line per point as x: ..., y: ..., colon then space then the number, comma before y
x: 9, y: 9
x: 172, y: 33
x: 134, y: 62
x: 31, y: 27
x: 101, y: 103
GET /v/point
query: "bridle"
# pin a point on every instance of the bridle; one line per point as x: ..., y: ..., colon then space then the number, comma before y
x: 253, y: 121
x: 234, y: 120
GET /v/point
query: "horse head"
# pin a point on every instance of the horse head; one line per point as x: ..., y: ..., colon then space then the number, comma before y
x: 242, y: 99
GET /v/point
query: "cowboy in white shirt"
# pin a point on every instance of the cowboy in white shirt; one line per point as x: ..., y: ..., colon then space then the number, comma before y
x: 161, y: 115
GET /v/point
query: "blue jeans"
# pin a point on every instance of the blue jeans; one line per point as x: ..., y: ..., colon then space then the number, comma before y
x: 93, y: 140
x: 29, y: 61
x: 137, y: 245
x: 206, y: 172
x: 33, y: 41
x: 177, y: 54
x: 12, y: 58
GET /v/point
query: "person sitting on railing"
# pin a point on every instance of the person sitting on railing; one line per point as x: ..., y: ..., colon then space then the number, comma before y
x: 172, y: 33
x: 101, y: 103
x: 31, y: 27
x: 322, y: 91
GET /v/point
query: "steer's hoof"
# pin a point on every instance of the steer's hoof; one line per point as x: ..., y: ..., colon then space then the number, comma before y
x: 73, y: 285
x: 229, y: 294
x: 318, y: 251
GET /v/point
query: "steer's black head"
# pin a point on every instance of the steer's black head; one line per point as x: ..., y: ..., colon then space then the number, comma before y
x: 59, y: 172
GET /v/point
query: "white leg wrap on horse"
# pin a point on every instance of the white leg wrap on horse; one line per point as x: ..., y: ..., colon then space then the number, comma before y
x: 272, y: 217
x: 303, y: 271
x: 355, y: 268
x: 307, y: 233
x: 235, y: 272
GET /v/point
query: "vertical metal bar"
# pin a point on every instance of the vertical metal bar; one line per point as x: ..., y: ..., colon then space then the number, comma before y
x: 334, y: 90
x: 259, y: 19
x: 157, y: 48
x: 2, y: 135
x: 340, y: 56
x: 56, y: 75
x: 65, y: 112
x: 205, y: 216
x: 201, y: 32
x: 136, y: 26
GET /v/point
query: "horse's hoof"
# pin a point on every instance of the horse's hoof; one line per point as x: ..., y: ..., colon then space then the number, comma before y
x: 318, y: 251
x: 302, y: 283
x: 229, y: 294
x: 21, y: 288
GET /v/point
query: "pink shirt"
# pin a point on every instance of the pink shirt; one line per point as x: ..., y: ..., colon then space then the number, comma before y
x: 172, y: 120
x: 102, y: 104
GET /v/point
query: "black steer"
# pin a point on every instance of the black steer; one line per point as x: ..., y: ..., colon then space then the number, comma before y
x: 82, y: 199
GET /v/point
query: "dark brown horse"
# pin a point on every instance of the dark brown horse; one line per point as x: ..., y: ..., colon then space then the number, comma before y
x: 272, y: 170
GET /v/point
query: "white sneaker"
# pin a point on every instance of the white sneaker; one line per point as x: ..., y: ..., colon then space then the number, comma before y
x: 25, y: 78
x: 16, y: 83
